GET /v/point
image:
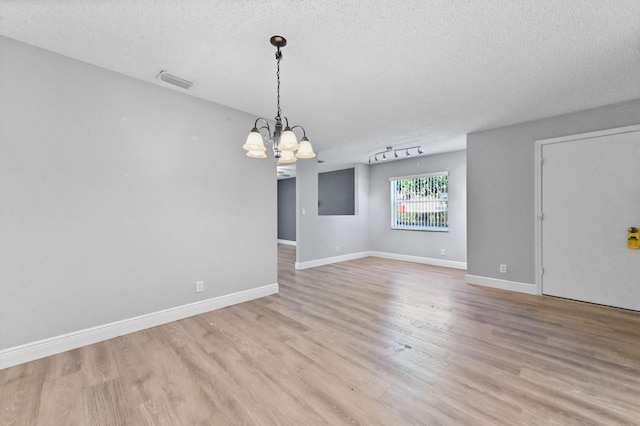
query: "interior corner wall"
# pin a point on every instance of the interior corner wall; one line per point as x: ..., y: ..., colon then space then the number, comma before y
x: 287, y: 209
x: 318, y: 237
x: 117, y: 195
x: 501, y: 187
x: 420, y: 243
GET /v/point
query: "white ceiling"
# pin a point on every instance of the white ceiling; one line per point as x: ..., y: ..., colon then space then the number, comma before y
x: 364, y: 74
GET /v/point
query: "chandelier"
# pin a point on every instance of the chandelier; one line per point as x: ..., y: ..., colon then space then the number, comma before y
x: 283, y: 142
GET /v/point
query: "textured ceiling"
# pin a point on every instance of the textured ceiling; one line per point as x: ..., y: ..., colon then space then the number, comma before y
x: 361, y: 75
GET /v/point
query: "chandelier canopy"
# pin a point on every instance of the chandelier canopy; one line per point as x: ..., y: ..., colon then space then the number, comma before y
x: 284, y: 142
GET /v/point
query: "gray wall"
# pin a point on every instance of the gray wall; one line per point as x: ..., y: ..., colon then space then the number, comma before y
x: 287, y: 209
x: 318, y: 236
x: 501, y: 187
x: 117, y: 195
x: 420, y: 243
x: 336, y: 192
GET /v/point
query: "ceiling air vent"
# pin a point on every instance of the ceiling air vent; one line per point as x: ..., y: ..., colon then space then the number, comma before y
x: 174, y: 79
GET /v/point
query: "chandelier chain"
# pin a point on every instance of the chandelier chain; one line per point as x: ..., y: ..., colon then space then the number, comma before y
x: 278, y: 58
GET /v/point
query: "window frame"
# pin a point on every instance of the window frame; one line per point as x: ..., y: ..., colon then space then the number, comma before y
x: 398, y: 204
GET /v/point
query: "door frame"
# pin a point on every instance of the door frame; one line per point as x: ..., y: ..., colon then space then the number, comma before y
x: 539, y: 144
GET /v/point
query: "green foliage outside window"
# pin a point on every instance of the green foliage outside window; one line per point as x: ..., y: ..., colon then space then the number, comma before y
x: 420, y: 203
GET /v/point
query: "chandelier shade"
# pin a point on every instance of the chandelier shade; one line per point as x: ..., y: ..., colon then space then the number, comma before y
x: 256, y: 154
x: 286, y: 157
x: 288, y: 141
x: 255, y: 142
x: 305, y: 150
x: 283, y: 142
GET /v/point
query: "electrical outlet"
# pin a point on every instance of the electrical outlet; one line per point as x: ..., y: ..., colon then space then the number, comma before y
x: 337, y: 249
x: 442, y: 252
x: 503, y: 269
x: 199, y: 286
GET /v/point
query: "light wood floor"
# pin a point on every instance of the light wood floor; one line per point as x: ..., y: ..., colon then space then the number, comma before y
x: 367, y: 342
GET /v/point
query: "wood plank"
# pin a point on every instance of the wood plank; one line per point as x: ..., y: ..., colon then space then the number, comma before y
x: 54, y: 410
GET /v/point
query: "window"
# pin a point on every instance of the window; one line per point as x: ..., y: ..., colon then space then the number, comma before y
x: 420, y: 203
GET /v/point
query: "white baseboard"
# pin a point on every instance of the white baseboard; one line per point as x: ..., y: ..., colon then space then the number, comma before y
x: 51, y: 346
x: 287, y: 242
x: 503, y: 284
x: 393, y: 256
x: 418, y: 259
x: 329, y: 260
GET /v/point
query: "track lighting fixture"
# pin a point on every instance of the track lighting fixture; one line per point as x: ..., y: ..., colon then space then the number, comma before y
x: 374, y: 157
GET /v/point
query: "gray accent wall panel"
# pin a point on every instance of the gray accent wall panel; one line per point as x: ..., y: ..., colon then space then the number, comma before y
x: 287, y: 209
x: 336, y: 192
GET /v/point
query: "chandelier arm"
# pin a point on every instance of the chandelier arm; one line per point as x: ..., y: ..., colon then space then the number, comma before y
x: 304, y: 133
x: 263, y: 119
x: 266, y: 127
x: 268, y: 138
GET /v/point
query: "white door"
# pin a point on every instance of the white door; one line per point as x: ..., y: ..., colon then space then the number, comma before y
x: 590, y: 197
